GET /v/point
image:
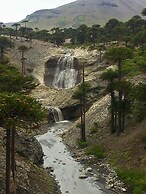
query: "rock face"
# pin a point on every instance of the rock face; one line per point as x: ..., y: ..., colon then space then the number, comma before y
x: 50, y: 67
x: 28, y: 147
x: 71, y: 112
x: 30, y: 178
x: 62, y: 72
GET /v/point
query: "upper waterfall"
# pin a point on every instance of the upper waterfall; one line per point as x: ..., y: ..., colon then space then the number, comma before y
x: 65, y: 74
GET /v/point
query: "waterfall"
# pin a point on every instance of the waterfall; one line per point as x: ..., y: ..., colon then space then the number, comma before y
x: 65, y: 75
x: 54, y: 114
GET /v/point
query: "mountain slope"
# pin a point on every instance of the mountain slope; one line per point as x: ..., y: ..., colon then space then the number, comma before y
x: 85, y: 11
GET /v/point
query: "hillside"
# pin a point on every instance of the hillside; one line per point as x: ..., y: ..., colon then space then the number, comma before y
x: 125, y: 151
x: 88, y: 12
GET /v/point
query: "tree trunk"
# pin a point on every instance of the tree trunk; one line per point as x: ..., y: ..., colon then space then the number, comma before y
x: 83, y: 108
x: 13, y: 165
x: 81, y: 127
x: 8, y: 158
x: 124, y: 114
x: 120, y: 100
x: 115, y: 121
x: 120, y: 113
x: 113, y: 129
x: 22, y: 59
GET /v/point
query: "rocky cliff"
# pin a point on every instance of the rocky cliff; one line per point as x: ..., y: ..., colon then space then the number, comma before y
x: 30, y: 176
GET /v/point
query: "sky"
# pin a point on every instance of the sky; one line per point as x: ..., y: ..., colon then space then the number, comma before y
x: 16, y: 10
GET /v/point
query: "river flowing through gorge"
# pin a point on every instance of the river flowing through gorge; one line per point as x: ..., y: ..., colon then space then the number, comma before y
x: 68, y: 172
x: 72, y: 176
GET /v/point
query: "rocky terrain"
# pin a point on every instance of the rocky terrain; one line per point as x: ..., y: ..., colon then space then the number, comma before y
x: 30, y: 176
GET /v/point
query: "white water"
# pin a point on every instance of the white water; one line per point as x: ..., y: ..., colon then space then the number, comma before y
x: 56, y: 112
x: 66, y: 169
x: 65, y: 75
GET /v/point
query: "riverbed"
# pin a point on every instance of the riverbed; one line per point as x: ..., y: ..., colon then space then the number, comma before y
x: 70, y: 174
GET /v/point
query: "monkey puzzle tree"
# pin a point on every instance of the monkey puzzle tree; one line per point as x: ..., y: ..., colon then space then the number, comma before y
x: 119, y: 55
x: 140, y: 39
x: 5, y: 43
x: 81, y: 33
x: 80, y: 94
x: 110, y: 76
x: 143, y: 12
x: 11, y: 80
x: 16, y: 110
x: 16, y: 26
x: 23, y: 49
x: 139, y: 108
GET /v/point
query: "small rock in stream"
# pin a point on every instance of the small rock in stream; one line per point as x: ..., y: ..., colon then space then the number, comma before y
x: 83, y: 176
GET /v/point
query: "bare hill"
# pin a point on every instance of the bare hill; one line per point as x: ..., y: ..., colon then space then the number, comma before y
x: 85, y: 11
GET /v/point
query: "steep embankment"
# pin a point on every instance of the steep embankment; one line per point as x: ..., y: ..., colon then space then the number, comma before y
x: 30, y: 177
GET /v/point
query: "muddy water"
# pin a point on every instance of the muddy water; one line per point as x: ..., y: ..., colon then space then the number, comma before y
x: 66, y: 170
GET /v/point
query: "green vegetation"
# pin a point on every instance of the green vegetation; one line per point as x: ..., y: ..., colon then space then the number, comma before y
x: 11, y: 80
x: 83, y: 144
x: 135, y: 179
x: 122, y: 44
x: 81, y: 95
x: 45, y: 182
x: 17, y: 109
x: 94, y: 128
x: 97, y: 151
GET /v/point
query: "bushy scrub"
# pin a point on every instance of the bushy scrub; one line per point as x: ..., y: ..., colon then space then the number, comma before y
x: 94, y: 128
x: 83, y: 144
x: 97, y: 151
x: 136, y: 179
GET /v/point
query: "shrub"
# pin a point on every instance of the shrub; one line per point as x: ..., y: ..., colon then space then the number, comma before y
x: 136, y: 179
x: 83, y: 144
x: 97, y: 151
x: 94, y: 128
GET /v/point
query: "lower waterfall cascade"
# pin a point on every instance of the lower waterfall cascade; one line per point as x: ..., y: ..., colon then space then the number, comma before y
x: 54, y: 114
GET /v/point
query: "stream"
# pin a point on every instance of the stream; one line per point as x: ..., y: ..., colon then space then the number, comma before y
x: 68, y: 172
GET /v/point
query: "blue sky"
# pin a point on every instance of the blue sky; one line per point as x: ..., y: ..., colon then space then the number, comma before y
x: 16, y: 10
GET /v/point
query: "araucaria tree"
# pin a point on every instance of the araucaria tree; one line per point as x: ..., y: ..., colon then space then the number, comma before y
x: 16, y: 110
x: 23, y: 49
x: 5, y: 43
x: 16, y: 26
x: 118, y: 56
x: 81, y: 95
x: 110, y: 76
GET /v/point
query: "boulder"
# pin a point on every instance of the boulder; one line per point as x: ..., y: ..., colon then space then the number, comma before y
x: 28, y: 147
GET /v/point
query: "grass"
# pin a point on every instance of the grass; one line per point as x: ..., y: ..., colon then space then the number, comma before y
x: 97, y: 151
x: 94, y: 128
x: 83, y: 144
x: 136, y: 179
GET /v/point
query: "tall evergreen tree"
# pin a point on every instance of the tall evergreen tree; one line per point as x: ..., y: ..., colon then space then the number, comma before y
x: 118, y: 55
